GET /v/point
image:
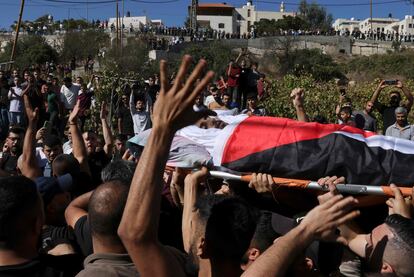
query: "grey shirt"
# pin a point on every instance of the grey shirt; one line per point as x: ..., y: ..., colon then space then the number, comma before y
x: 108, y: 265
x: 365, y: 121
x: 405, y: 133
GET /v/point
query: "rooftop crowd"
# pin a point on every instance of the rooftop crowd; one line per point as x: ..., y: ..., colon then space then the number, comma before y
x: 76, y: 199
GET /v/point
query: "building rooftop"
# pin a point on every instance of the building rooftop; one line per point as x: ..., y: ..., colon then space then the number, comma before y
x: 215, y: 5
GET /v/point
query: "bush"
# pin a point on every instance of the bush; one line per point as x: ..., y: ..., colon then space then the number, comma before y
x: 321, y: 98
x: 82, y: 44
x: 31, y: 50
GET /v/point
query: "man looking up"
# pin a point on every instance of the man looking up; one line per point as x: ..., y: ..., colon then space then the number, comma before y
x: 140, y: 117
x: 388, y: 111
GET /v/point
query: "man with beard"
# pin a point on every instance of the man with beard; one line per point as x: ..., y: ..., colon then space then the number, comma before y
x: 364, y: 119
x: 401, y: 128
x: 388, y: 112
x: 14, y: 142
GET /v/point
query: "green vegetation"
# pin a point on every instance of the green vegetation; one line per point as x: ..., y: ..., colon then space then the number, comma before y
x: 31, y: 50
x: 83, y: 44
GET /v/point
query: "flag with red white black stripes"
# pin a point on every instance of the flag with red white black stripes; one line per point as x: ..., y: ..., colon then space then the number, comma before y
x: 292, y: 149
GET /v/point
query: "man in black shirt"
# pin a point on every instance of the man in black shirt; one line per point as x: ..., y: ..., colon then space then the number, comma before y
x: 21, y: 221
x: 125, y: 123
x: 388, y: 111
x: 14, y: 142
x: 152, y: 89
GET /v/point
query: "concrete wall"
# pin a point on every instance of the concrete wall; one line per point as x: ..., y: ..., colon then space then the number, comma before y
x: 216, y: 20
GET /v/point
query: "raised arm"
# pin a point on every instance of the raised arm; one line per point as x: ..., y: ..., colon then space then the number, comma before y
x: 139, y: 225
x: 79, y: 149
x: 106, y: 130
x: 77, y: 209
x: 407, y: 94
x: 297, y: 95
x: 132, y: 108
x: 29, y: 166
x: 319, y: 223
x: 374, y: 98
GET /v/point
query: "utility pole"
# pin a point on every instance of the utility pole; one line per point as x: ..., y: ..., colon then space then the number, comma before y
x: 117, y: 24
x: 193, y: 15
x: 122, y: 24
x: 87, y: 11
x: 19, y: 23
x: 370, y: 12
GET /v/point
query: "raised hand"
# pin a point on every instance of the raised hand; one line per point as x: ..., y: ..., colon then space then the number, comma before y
x: 74, y: 114
x: 399, y: 84
x: 104, y: 110
x: 174, y: 106
x: 323, y: 220
x: 297, y: 95
x: 32, y: 114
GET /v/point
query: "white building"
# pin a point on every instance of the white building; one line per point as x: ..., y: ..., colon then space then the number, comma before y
x: 404, y: 27
x: 378, y: 24
x: 217, y: 16
x: 248, y: 15
x: 226, y: 18
x: 135, y: 22
x: 344, y: 25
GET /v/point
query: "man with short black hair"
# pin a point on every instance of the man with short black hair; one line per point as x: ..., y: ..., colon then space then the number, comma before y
x: 52, y: 147
x: 14, y: 142
x: 140, y: 117
x: 21, y: 221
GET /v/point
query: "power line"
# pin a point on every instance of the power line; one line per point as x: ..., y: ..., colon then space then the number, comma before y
x: 337, y: 4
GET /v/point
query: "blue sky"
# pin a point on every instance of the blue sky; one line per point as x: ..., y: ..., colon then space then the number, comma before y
x: 174, y: 13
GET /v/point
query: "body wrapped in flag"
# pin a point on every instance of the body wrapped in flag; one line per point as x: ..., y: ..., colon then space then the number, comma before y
x: 293, y: 149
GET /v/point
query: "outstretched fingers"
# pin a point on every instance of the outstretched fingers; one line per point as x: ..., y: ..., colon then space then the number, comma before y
x: 182, y: 71
x: 165, y: 85
x: 198, y: 70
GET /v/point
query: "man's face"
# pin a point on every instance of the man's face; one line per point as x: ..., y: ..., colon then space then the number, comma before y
x: 15, y: 73
x: 120, y: 146
x: 91, y: 141
x: 124, y: 100
x: 52, y: 152
x: 49, y: 80
x: 376, y: 245
x: 140, y: 105
x: 207, y: 123
x: 395, y: 99
x: 26, y: 76
x: 345, y: 116
x: 216, y: 95
x: 45, y: 89
x: 79, y: 80
x: 14, y: 143
x: 401, y: 118
x: 198, y: 101
x: 252, y: 103
x: 226, y: 100
x: 151, y: 81
x: 36, y: 74
x: 369, y: 106
x: 16, y: 81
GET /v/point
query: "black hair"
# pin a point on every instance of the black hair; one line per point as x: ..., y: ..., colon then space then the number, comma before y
x: 65, y: 163
x: 346, y: 109
x: 403, y: 228
x: 120, y: 137
x: 52, y: 140
x: 119, y: 170
x: 227, y: 94
x: 17, y: 130
x: 106, y: 207
x: 264, y: 234
x: 251, y: 96
x: 67, y: 80
x: 320, y: 119
x: 230, y: 227
x: 18, y: 200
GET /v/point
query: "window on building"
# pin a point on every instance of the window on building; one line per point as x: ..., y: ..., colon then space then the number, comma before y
x: 239, y: 17
x: 402, y: 27
x: 410, y: 25
x: 248, y: 13
x: 221, y: 25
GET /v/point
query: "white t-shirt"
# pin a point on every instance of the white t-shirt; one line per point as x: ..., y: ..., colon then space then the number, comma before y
x: 68, y: 96
x: 16, y: 100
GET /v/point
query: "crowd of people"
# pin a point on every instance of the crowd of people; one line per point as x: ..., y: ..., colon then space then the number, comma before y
x: 87, y: 202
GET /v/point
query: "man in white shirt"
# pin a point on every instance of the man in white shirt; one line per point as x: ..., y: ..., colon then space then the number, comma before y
x: 69, y: 94
x: 16, y: 103
x: 140, y: 117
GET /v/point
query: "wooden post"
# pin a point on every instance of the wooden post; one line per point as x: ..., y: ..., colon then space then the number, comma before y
x: 19, y: 22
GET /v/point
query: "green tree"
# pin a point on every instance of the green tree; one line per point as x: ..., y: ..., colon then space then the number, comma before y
x: 30, y: 50
x: 315, y: 16
x: 83, y: 44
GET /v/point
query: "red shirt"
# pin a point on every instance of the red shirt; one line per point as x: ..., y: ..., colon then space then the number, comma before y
x: 233, y: 77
